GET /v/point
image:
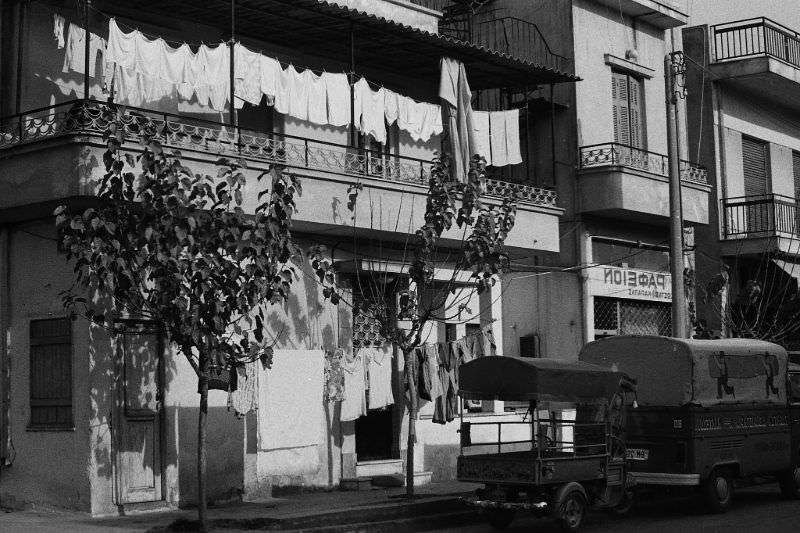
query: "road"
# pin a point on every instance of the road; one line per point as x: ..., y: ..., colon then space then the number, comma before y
x: 755, y: 510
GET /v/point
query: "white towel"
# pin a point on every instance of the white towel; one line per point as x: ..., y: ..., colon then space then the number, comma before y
x: 317, y: 98
x: 480, y: 125
x: 379, y: 369
x: 505, y: 137
x: 283, y: 86
x: 58, y: 30
x: 290, y: 410
x: 390, y: 106
x: 354, y: 404
x: 337, y: 90
x: 297, y: 93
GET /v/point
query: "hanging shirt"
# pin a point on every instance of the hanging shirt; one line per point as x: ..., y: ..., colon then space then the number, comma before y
x: 213, y: 85
x: 337, y: 93
x: 74, y: 56
x: 334, y: 376
x: 354, y: 404
x: 456, y: 101
x: 245, y: 398
x: 317, y: 98
x: 298, y: 93
x: 269, y: 71
x: 369, y: 110
x: 58, y: 30
x: 430, y: 384
x: 379, y: 370
x: 391, y: 103
x: 247, y: 76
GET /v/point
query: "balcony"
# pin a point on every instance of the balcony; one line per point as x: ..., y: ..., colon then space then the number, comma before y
x: 760, y: 56
x: 760, y: 224
x: 628, y: 183
x: 56, y: 152
x: 657, y: 13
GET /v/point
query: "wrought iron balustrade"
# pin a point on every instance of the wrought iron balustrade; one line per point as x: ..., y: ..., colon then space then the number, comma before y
x: 616, y: 154
x: 756, y: 37
x: 90, y: 117
x: 760, y: 216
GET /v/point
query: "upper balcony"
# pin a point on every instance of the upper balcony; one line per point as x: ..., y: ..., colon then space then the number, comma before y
x: 760, y: 224
x: 628, y: 183
x: 54, y: 153
x: 664, y: 15
x: 759, y: 56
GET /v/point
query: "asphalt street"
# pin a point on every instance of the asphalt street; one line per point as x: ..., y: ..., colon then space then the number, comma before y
x: 756, y: 510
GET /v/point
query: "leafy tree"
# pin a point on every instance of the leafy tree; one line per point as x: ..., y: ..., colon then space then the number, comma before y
x: 449, y: 205
x: 177, y: 248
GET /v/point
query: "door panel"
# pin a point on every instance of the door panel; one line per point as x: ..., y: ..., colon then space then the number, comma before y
x: 139, y: 430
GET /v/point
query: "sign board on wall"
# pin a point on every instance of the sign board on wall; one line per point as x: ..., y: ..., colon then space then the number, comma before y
x: 630, y: 283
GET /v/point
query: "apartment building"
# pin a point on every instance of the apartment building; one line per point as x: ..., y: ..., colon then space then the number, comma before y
x: 83, y: 425
x: 744, y: 112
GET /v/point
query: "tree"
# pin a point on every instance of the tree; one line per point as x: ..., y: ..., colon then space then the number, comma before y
x: 177, y: 248
x: 449, y: 204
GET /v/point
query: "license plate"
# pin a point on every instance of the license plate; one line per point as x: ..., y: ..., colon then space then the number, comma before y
x: 637, y: 454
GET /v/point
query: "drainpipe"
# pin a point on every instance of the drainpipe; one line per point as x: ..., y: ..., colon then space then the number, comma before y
x: 5, y: 364
x: 585, y: 252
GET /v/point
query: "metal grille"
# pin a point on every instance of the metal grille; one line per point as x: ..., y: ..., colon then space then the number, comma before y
x: 631, y: 317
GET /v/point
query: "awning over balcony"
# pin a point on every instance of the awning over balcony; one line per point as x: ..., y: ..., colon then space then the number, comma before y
x: 792, y: 269
x: 324, y: 28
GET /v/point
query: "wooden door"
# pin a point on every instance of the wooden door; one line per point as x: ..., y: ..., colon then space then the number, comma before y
x: 139, y: 448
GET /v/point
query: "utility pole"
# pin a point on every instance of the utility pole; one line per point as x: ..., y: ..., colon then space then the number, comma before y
x: 674, y: 66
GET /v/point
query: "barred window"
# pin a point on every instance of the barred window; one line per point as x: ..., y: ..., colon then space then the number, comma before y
x: 614, y: 316
x: 51, y: 374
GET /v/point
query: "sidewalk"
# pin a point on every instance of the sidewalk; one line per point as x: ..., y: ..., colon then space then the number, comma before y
x: 311, y: 511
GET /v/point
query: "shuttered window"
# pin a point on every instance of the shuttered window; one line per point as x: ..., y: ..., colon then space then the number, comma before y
x: 754, y: 160
x: 51, y: 374
x: 796, y: 173
x: 627, y: 99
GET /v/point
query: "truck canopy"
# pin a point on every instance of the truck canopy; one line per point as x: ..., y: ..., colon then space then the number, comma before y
x: 516, y: 379
x: 675, y: 372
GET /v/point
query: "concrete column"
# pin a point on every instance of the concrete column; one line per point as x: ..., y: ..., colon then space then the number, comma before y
x: 491, y: 304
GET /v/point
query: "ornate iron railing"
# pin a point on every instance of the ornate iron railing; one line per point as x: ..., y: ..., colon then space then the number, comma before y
x: 756, y: 37
x: 94, y: 117
x: 616, y: 154
x: 760, y: 216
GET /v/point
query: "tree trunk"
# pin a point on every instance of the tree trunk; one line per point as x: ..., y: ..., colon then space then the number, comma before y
x: 202, y: 458
x: 412, y: 425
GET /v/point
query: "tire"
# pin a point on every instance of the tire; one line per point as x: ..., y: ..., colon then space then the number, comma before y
x: 500, y: 518
x: 718, y: 490
x: 790, y: 484
x: 571, y: 511
x: 625, y: 505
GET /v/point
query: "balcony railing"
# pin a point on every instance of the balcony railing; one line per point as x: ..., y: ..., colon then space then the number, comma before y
x: 765, y: 215
x: 615, y: 154
x: 94, y: 117
x: 756, y: 37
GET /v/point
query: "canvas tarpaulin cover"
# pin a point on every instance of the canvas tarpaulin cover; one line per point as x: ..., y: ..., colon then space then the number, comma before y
x: 674, y: 372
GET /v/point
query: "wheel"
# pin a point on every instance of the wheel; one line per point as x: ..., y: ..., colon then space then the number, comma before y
x: 718, y: 490
x: 790, y: 484
x: 626, y: 503
x: 571, y: 511
x: 500, y: 518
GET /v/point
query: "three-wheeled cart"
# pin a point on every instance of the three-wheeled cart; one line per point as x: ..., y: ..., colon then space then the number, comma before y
x: 550, y: 464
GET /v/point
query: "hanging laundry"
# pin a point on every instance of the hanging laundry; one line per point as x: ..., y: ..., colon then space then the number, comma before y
x: 354, y: 404
x: 74, y: 56
x: 430, y: 385
x: 379, y: 372
x: 505, y: 137
x: 369, y: 110
x: 411, y: 376
x: 480, y: 125
x: 317, y: 97
x: 213, y: 87
x: 446, y: 406
x: 334, y: 375
x: 489, y: 346
x: 174, y: 63
x: 58, y: 30
x: 337, y: 91
x: 297, y: 93
x: 247, y: 76
x: 269, y: 72
x: 390, y: 106
x: 244, y: 399
x: 457, y: 108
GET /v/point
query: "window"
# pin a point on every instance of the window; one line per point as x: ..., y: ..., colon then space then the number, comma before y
x: 627, y: 98
x: 51, y: 374
x: 754, y: 161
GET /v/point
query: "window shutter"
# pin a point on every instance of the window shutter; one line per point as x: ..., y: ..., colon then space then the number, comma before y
x: 796, y: 173
x: 754, y: 159
x: 619, y: 101
x: 51, y: 373
x: 636, y: 112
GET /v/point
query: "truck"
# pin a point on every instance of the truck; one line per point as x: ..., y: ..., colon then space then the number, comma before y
x: 710, y: 414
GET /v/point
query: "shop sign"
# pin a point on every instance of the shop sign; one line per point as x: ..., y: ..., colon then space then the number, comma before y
x: 630, y: 283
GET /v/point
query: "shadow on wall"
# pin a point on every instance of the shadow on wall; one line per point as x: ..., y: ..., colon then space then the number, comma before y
x: 440, y: 459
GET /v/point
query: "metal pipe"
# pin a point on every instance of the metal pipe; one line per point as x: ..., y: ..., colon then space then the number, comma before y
x: 352, y: 78
x: 231, y: 77
x: 553, y: 132
x: 20, y: 42
x: 87, y: 41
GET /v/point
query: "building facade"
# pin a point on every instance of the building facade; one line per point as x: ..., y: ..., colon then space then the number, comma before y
x: 742, y: 79
x: 101, y: 421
